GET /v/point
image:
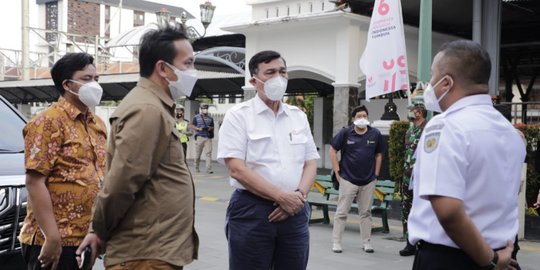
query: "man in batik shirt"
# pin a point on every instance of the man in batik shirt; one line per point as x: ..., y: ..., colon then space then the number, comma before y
x: 65, y: 161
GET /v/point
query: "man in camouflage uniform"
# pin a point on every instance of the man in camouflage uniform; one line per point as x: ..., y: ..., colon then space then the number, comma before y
x: 417, y: 116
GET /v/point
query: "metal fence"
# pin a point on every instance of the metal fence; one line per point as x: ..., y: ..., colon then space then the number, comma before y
x: 523, y: 112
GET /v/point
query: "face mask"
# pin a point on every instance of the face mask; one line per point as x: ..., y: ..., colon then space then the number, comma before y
x: 184, y: 84
x: 430, y: 99
x: 275, y: 88
x: 89, y: 93
x: 179, y: 115
x: 361, y: 123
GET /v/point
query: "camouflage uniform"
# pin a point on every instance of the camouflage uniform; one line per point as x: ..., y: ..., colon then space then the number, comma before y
x: 412, y: 137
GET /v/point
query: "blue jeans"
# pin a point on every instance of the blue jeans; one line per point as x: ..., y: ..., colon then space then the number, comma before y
x: 256, y: 243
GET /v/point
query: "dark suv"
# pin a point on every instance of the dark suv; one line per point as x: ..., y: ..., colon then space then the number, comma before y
x: 13, y: 194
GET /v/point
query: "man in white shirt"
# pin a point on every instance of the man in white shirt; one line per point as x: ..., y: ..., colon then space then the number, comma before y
x: 269, y: 150
x: 466, y: 176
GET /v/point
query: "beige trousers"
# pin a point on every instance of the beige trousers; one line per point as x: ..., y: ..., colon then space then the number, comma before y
x: 203, y: 144
x: 364, y: 199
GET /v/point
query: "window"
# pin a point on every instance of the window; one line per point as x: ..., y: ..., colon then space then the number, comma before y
x: 108, y: 21
x: 232, y: 99
x: 277, y: 11
x: 51, y: 23
x: 138, y: 18
x: 221, y: 99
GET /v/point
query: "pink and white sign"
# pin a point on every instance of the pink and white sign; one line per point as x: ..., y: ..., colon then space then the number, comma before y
x: 384, y: 61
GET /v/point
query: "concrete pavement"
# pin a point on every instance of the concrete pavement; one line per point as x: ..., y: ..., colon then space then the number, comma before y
x: 213, y: 192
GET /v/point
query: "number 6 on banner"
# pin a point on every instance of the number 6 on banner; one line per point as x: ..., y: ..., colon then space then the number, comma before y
x: 384, y: 8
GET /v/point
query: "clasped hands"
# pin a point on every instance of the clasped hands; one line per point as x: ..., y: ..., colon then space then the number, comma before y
x: 288, y: 204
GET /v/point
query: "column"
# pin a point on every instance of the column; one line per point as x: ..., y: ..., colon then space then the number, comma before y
x: 424, y: 41
x: 249, y: 92
x: 191, y: 108
x: 341, y: 108
x: 491, y: 39
x: 318, y: 128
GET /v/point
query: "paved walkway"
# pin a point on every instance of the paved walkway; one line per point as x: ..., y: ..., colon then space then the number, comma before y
x: 213, y: 191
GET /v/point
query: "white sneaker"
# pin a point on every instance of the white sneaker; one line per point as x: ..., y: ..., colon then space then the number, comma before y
x: 368, y: 248
x: 336, y: 248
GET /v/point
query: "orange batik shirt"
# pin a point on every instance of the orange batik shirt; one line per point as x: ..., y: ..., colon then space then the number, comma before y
x: 69, y: 149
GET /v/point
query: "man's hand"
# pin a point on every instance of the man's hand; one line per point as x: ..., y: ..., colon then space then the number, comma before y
x: 338, y: 177
x: 291, y: 202
x: 278, y: 215
x: 537, y: 204
x: 50, y: 252
x: 97, y: 245
x: 505, y: 257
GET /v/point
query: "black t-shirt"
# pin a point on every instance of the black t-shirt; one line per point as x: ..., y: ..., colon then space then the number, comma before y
x: 357, y: 162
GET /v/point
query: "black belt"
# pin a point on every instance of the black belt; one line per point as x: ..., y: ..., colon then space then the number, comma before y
x: 437, y: 247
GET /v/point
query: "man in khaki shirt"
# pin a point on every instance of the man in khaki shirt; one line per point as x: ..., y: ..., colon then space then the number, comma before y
x: 145, y: 210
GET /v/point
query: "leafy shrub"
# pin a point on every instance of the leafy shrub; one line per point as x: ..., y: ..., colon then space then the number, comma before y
x: 396, y: 155
x: 396, y: 150
x: 531, y: 133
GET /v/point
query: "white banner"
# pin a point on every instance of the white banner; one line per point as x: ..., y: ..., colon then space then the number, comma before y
x: 384, y: 61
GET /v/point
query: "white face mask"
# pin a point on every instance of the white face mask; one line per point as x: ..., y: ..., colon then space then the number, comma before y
x: 275, y: 88
x: 430, y: 99
x: 361, y: 123
x: 89, y: 93
x: 184, y: 84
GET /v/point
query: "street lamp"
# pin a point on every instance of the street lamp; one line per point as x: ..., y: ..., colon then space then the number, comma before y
x: 207, y: 13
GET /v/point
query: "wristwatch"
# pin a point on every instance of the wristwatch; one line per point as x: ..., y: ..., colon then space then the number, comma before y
x: 493, y: 264
x: 298, y: 190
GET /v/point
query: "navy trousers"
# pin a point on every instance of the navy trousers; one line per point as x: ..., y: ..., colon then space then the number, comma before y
x: 438, y: 257
x: 257, y: 244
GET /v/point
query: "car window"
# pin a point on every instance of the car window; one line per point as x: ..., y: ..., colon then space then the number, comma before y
x: 11, y: 124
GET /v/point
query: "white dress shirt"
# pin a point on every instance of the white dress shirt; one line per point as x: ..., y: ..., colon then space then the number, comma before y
x: 275, y: 146
x: 471, y: 153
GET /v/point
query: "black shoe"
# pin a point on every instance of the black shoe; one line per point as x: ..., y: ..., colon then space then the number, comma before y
x: 409, y: 250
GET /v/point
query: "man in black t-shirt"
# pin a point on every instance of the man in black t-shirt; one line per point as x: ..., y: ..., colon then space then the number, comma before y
x: 361, y: 157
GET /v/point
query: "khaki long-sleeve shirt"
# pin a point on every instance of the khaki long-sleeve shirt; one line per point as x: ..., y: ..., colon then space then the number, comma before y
x: 145, y: 209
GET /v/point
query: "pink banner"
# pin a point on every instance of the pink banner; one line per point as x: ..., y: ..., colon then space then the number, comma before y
x: 384, y: 61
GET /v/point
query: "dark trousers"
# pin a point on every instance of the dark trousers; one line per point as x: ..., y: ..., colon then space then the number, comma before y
x: 184, y: 147
x: 439, y: 257
x: 256, y: 243
x: 67, y: 258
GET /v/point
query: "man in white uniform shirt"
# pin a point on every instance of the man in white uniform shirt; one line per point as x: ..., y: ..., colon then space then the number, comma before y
x: 269, y: 150
x: 467, y: 172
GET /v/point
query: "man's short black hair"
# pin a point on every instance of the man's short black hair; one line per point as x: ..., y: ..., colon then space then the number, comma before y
x: 64, y: 68
x: 158, y: 45
x: 359, y: 109
x: 263, y: 57
x: 468, y: 60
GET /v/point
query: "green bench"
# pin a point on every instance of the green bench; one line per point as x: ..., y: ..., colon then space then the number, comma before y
x: 319, y: 196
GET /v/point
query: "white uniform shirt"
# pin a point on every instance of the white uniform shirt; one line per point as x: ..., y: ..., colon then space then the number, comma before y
x: 275, y: 146
x: 471, y: 153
